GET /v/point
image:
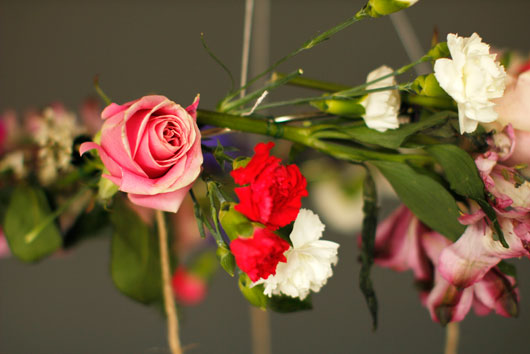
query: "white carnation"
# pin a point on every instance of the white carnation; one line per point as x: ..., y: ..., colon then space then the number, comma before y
x: 381, y: 108
x: 309, y: 260
x: 472, y: 78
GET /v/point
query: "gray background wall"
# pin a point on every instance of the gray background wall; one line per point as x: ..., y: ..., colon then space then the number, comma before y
x: 50, y: 50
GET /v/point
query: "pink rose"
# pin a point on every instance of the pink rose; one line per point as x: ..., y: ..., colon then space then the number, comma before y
x: 151, y: 148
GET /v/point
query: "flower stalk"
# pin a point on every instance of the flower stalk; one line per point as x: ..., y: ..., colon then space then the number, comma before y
x: 451, y: 340
x: 167, y: 290
x: 304, y: 136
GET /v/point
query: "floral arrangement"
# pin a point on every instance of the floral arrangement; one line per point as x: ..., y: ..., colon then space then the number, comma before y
x: 450, y: 143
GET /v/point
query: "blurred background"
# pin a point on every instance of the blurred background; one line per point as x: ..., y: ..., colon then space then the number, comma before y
x: 50, y: 51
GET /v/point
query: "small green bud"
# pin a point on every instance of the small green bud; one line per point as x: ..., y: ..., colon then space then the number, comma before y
x: 427, y: 85
x: 234, y: 223
x: 340, y: 107
x: 440, y: 50
x: 377, y: 8
x: 226, y: 259
x: 254, y: 294
x: 240, y: 162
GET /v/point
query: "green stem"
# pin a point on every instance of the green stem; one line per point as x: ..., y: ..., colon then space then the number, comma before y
x: 301, y: 135
x: 227, y: 107
x: 314, y: 84
x: 307, y: 45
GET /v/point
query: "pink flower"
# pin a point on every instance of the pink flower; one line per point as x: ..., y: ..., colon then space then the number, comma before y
x: 189, y: 289
x: 4, y: 247
x: 151, y: 148
x: 402, y: 243
x: 447, y: 303
x: 398, y: 244
x: 514, y: 106
x: 476, y: 251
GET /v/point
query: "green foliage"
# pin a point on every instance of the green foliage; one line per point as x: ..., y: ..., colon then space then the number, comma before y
x: 135, y: 258
x: 440, y: 50
x: 29, y: 225
x: 370, y: 211
x: 394, y: 138
x: 287, y: 304
x: 424, y: 196
x: 462, y: 174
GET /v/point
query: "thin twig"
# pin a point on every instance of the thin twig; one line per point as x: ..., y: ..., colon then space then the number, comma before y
x: 261, y: 343
x: 247, y: 32
x: 169, y: 303
x: 451, y: 338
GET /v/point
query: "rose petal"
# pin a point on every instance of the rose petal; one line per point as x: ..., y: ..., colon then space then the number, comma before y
x: 163, y: 201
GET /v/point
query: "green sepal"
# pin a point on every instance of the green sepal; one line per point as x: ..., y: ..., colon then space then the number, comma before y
x: 234, y: 223
x: 343, y: 108
x: 287, y: 304
x: 29, y: 226
x: 377, y: 8
x: 427, y: 85
x: 106, y: 188
x: 440, y: 50
x: 226, y: 259
x: 254, y: 294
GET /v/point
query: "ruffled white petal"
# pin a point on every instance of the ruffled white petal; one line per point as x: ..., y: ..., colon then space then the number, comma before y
x: 309, y: 261
x: 472, y: 78
x: 381, y: 108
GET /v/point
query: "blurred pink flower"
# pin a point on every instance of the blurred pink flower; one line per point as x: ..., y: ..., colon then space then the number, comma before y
x: 4, y: 247
x: 189, y: 289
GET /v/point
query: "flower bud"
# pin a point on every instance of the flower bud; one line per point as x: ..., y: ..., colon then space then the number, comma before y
x: 377, y: 8
x: 234, y: 223
x: 427, y: 85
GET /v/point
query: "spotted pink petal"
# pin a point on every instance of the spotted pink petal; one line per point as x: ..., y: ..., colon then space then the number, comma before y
x: 467, y: 260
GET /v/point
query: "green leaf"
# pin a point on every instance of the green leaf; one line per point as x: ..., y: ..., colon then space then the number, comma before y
x: 135, y: 258
x: 286, y: 304
x: 425, y: 197
x: 463, y: 177
x: 370, y: 211
x: 394, y: 138
x: 507, y: 268
x: 205, y: 265
x: 254, y: 294
x: 29, y: 214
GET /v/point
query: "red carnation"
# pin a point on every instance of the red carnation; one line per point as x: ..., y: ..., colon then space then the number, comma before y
x: 273, y: 193
x: 259, y: 255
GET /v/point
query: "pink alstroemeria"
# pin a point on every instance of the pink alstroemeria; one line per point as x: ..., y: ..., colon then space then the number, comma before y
x: 403, y: 242
x: 398, y: 246
x: 447, y: 303
x: 476, y: 251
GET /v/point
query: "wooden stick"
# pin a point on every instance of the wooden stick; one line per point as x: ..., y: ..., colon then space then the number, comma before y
x: 167, y: 289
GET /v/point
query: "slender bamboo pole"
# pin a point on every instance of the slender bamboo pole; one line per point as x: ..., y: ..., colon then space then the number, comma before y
x: 452, y: 335
x: 169, y: 302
